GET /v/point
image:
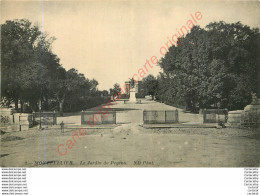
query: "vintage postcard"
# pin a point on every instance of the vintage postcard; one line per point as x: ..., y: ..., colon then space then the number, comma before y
x: 120, y: 83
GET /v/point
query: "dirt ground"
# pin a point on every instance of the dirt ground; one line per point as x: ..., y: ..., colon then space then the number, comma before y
x: 128, y: 144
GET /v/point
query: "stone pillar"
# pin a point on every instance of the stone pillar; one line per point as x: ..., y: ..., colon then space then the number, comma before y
x: 6, y: 116
x: 132, y: 95
x: 25, y: 121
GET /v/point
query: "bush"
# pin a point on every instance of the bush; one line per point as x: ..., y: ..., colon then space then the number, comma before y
x: 83, y: 103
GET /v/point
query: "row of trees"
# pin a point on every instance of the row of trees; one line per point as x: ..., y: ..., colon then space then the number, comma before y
x: 217, y: 66
x: 31, y: 72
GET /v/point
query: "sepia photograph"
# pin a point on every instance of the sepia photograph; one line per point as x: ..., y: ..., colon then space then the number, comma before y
x: 120, y: 83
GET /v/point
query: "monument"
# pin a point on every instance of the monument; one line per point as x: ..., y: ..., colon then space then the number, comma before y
x: 132, y: 97
x: 132, y: 90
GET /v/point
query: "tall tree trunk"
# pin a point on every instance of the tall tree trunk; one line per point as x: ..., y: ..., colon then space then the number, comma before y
x: 16, y: 103
x: 61, y: 107
x: 21, y: 102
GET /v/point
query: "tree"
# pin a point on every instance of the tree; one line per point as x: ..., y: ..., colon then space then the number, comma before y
x: 68, y: 87
x: 19, y: 64
x: 116, y: 90
x: 93, y: 87
x: 150, y: 85
x: 104, y: 93
x: 32, y: 73
x: 215, y: 65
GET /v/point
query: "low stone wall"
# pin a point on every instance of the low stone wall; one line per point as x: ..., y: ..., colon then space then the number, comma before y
x: 234, y: 118
x: 94, y: 118
x: 160, y: 116
x: 249, y: 117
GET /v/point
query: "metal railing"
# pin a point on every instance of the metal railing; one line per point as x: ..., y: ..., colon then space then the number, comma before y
x: 96, y: 118
x: 160, y: 116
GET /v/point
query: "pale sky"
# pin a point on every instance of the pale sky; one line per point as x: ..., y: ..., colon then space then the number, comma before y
x: 111, y: 40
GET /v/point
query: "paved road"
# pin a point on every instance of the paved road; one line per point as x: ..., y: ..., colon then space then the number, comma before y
x: 133, y: 113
